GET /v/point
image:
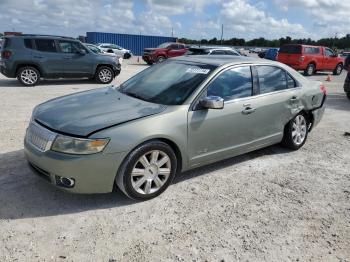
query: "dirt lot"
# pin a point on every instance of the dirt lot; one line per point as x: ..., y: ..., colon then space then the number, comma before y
x: 269, y: 205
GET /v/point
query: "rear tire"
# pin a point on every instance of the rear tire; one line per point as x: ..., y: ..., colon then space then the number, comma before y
x: 28, y: 76
x: 295, y: 132
x: 126, y: 56
x: 147, y: 171
x: 310, y: 70
x: 338, y: 69
x: 104, y: 75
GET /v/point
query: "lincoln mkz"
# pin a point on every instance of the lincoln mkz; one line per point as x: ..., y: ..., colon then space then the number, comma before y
x: 184, y: 113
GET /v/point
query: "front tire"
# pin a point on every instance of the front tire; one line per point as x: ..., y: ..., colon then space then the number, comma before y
x: 338, y: 69
x: 295, y: 132
x: 104, y: 75
x: 147, y: 171
x: 161, y: 59
x: 28, y: 76
x: 310, y: 70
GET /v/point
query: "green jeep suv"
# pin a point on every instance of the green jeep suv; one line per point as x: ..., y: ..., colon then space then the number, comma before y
x: 31, y: 57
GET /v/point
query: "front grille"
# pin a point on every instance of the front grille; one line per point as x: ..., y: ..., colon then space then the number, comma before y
x: 39, y: 137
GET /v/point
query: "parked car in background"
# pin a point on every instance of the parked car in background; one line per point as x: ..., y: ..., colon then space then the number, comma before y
x: 31, y: 57
x: 99, y: 51
x: 262, y: 53
x: 163, y: 52
x: 212, y: 51
x: 271, y: 54
x: 310, y: 58
x: 255, y: 50
x: 116, y: 49
x: 175, y: 116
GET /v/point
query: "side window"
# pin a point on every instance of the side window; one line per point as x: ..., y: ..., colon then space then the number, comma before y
x: 45, y: 45
x: 218, y: 52
x: 181, y: 47
x: 329, y: 52
x: 69, y: 46
x: 231, y: 84
x: 290, y: 81
x: 311, y: 50
x: 174, y: 47
x: 28, y: 43
x: 229, y: 52
x: 271, y: 79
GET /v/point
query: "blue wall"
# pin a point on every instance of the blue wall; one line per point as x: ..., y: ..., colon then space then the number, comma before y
x: 135, y: 43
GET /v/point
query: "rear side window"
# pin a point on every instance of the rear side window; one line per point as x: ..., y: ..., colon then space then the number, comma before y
x: 271, y: 79
x: 311, y: 50
x: 45, y: 45
x: 291, y: 83
x: 28, y: 43
x: 231, y: 84
x: 290, y: 49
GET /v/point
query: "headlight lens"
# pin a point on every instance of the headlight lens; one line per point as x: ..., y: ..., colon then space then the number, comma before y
x: 78, y: 146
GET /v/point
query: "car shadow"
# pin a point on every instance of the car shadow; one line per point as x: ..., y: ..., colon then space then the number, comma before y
x: 25, y: 195
x: 11, y: 82
x: 338, y: 101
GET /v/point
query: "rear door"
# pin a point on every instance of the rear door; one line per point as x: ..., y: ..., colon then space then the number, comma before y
x: 276, y: 104
x: 74, y: 63
x: 176, y: 50
x: 46, y: 55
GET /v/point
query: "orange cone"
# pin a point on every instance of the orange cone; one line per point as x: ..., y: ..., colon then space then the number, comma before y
x: 329, y: 79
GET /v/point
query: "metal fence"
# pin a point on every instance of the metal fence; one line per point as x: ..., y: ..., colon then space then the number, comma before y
x: 135, y: 43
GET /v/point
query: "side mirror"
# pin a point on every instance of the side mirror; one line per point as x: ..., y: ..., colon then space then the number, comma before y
x: 212, y: 102
x: 82, y: 51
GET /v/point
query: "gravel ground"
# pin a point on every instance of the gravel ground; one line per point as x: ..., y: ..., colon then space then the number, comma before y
x: 268, y: 205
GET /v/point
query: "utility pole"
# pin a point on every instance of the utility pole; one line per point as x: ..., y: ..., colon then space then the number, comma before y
x: 172, y: 32
x: 222, y: 32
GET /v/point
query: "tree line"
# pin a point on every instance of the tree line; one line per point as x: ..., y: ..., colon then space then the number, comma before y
x: 339, y: 43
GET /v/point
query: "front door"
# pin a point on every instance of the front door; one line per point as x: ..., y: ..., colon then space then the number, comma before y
x: 75, y: 64
x: 220, y: 133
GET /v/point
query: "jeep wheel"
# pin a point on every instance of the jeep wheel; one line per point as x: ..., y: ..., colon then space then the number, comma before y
x: 160, y: 59
x: 104, y: 75
x: 338, y: 69
x: 28, y: 76
x: 310, y: 70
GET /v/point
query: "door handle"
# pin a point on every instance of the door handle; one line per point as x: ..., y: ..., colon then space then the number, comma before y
x: 248, y: 110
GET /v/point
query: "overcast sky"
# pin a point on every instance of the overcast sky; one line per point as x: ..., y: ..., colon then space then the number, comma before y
x: 189, y: 18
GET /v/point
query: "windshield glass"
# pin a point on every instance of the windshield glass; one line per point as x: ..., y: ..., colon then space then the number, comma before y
x: 164, y: 45
x: 168, y: 83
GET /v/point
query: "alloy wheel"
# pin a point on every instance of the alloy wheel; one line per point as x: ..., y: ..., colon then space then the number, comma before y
x: 105, y: 75
x: 299, y: 129
x: 29, y: 76
x: 151, y: 172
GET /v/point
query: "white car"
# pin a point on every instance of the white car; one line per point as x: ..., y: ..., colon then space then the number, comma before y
x: 118, y: 50
x: 98, y: 50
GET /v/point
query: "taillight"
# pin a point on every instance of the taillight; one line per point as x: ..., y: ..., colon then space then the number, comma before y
x: 301, y: 59
x: 323, y: 89
x: 6, y: 54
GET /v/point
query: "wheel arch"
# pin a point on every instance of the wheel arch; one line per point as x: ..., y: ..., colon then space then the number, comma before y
x: 20, y: 65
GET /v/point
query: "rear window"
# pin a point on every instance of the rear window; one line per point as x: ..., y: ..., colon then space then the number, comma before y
x: 28, y: 43
x: 6, y: 43
x: 290, y: 49
x: 311, y: 50
x: 45, y: 45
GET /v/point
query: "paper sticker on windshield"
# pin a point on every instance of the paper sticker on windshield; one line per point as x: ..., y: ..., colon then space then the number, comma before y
x: 194, y: 70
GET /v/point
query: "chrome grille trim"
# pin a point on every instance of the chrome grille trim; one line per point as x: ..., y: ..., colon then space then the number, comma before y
x: 40, y: 137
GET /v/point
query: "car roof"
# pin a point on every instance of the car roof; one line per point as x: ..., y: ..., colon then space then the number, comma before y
x: 218, y: 60
x: 41, y: 36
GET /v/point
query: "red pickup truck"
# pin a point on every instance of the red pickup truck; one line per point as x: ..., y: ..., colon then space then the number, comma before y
x: 162, y: 52
x: 310, y: 58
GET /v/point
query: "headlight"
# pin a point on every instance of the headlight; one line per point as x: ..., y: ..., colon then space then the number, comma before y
x: 78, y: 146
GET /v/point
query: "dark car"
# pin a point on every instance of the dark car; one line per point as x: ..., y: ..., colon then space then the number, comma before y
x: 271, y: 54
x: 212, y: 51
x: 31, y: 57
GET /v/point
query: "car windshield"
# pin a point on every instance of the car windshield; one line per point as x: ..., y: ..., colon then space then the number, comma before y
x: 168, y: 83
x: 164, y: 45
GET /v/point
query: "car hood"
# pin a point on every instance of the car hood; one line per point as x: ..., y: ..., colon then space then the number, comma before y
x: 84, y: 113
